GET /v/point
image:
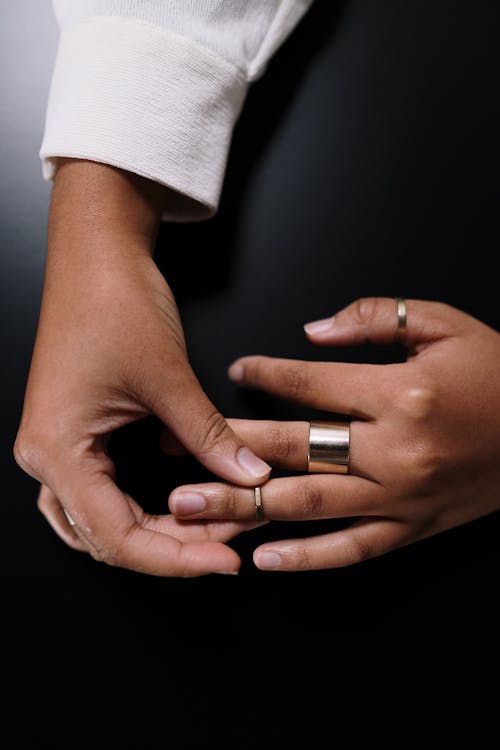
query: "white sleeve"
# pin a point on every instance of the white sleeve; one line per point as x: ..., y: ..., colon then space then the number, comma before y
x: 156, y: 86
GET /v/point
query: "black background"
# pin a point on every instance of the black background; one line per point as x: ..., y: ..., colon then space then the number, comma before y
x: 365, y: 163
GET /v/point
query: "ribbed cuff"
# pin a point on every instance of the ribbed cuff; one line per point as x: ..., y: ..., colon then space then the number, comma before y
x: 144, y: 99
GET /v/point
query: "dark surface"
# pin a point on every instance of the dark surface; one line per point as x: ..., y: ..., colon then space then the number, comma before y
x: 365, y: 162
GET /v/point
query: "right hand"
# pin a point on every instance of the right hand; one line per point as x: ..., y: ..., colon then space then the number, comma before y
x: 110, y: 350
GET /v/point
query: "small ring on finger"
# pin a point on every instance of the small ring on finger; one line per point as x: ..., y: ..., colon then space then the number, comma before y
x: 402, y: 316
x: 68, y: 518
x: 259, y: 510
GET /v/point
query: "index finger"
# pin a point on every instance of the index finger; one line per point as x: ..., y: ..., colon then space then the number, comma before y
x: 340, y: 387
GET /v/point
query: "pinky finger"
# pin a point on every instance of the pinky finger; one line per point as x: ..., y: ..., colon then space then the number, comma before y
x: 50, y: 507
x: 365, y: 539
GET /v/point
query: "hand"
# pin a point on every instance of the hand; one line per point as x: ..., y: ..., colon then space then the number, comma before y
x: 425, y: 437
x: 110, y: 350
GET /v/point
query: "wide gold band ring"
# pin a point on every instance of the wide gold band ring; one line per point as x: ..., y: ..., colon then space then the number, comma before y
x: 328, y: 448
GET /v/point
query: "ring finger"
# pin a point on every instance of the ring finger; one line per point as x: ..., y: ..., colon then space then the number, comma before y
x: 307, y: 498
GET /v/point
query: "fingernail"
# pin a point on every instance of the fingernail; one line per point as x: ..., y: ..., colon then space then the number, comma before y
x: 236, y: 372
x: 187, y: 503
x: 252, y: 464
x: 319, y: 326
x: 268, y: 560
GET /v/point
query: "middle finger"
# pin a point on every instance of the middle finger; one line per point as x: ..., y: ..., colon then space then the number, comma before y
x: 285, y: 445
x: 356, y: 389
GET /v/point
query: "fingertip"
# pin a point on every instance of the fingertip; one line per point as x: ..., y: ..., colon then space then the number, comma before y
x: 240, y: 367
x: 186, y: 502
x: 224, y: 560
x: 267, y: 558
x: 236, y: 372
x: 319, y: 328
x: 242, y: 468
x: 256, y: 469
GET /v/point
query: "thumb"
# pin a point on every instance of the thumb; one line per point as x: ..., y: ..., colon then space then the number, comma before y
x: 193, y: 420
x: 379, y: 320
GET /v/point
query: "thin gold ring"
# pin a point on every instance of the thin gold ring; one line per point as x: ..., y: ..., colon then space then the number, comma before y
x: 259, y: 510
x: 402, y: 316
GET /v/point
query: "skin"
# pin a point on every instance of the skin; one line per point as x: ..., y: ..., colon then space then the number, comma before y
x: 425, y: 437
x: 110, y: 350
x: 425, y: 434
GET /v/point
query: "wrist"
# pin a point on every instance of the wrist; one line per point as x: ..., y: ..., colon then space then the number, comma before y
x: 99, y: 209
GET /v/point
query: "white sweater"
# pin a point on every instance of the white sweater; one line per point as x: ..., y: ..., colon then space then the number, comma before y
x: 156, y: 86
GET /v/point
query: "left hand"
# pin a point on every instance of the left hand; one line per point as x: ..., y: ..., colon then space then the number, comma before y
x: 425, y: 437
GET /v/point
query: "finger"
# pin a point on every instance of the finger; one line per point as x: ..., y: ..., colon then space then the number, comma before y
x: 117, y: 533
x: 195, y: 531
x: 375, y: 320
x: 51, y: 508
x: 203, y: 431
x: 281, y: 444
x: 286, y: 444
x: 331, y: 386
x: 363, y: 540
x: 304, y: 498
x: 206, y: 531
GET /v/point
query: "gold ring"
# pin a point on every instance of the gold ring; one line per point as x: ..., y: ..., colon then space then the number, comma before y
x: 259, y: 510
x: 401, y: 313
x: 328, y: 448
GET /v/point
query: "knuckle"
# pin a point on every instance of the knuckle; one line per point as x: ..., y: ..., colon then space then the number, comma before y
x: 105, y: 554
x: 443, y: 310
x: 302, y: 558
x: 366, y: 309
x: 215, y: 429
x: 422, y: 466
x: 29, y: 451
x: 295, y: 380
x: 184, y: 567
x: 359, y: 549
x: 280, y: 444
x: 428, y: 467
x: 417, y: 402
x: 310, y: 501
x: 97, y: 554
x: 421, y: 458
x: 98, y: 550
x: 112, y: 552
x: 231, y: 506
